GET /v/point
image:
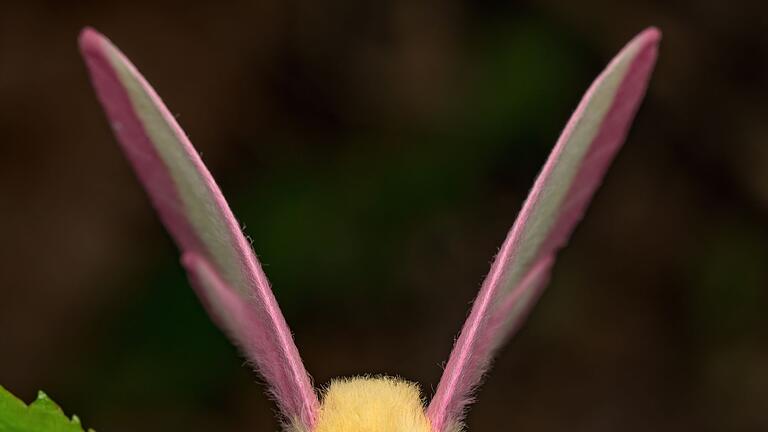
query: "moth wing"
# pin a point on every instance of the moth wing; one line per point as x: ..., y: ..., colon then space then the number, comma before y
x: 559, y: 197
x: 192, y: 208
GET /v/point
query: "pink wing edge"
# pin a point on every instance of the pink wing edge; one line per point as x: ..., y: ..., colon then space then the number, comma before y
x: 468, y: 360
x: 293, y: 390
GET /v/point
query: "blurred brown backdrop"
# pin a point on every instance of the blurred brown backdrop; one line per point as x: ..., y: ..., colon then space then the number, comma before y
x: 377, y: 153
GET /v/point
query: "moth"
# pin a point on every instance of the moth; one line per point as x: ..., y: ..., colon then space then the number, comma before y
x: 230, y: 282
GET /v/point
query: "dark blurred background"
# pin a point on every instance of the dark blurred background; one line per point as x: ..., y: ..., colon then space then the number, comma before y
x: 377, y: 153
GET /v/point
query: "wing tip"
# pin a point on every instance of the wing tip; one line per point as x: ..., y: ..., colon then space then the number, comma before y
x: 91, y: 42
x: 648, y: 40
x: 644, y: 46
x: 651, y: 34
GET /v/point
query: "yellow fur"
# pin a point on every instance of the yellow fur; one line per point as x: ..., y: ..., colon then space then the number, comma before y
x: 372, y: 405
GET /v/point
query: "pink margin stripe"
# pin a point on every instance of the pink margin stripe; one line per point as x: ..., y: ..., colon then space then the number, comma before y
x: 468, y: 360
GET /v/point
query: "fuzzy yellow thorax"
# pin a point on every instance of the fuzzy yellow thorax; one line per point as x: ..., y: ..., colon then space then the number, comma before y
x: 372, y: 405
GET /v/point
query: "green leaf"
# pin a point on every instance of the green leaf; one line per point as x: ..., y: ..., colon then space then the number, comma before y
x: 42, y: 415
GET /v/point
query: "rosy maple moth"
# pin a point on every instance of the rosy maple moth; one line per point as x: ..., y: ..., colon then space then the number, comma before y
x: 230, y: 282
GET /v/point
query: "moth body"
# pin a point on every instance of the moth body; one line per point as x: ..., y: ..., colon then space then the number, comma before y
x: 381, y: 404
